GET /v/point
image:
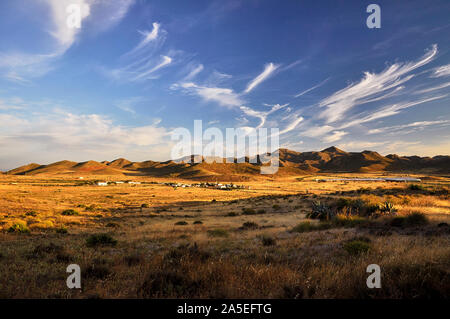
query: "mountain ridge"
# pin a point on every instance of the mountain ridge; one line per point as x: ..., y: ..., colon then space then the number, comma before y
x: 331, y: 159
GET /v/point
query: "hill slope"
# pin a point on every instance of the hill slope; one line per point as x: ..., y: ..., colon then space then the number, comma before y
x: 330, y: 159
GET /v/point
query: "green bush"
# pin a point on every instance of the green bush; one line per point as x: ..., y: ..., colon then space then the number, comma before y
x: 349, y: 222
x: 248, y: 211
x: 398, y: 221
x: 357, y: 247
x: 61, y: 230
x: 70, y: 212
x: 410, y: 220
x: 19, y: 228
x: 416, y: 187
x: 309, y: 227
x: 100, y: 240
x: 218, y: 233
x: 268, y: 241
x: 416, y: 219
x: 232, y: 214
x: 250, y: 225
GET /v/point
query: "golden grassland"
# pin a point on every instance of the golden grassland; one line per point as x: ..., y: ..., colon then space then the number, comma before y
x: 207, y: 243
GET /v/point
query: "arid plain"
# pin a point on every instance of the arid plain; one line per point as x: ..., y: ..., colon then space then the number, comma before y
x: 288, y: 237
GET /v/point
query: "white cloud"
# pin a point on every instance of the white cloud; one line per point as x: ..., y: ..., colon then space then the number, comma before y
x: 335, y: 136
x: 292, y: 125
x: 417, y: 125
x: 144, y: 73
x: 371, y: 87
x: 147, y: 38
x: 193, y: 73
x: 443, y: 70
x: 317, y: 131
x: 435, y: 88
x: 312, y: 88
x: 223, y: 96
x: 388, y: 111
x: 262, y: 115
x: 20, y: 67
x: 268, y: 70
x: 63, y: 135
x: 62, y: 32
x: 128, y: 105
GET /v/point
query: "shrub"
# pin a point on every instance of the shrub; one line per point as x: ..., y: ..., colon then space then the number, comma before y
x: 398, y: 221
x: 249, y: 225
x: 320, y: 211
x: 416, y: 187
x: 358, y: 206
x: 33, y: 214
x: 416, y: 219
x: 111, y: 224
x: 261, y: 211
x: 348, y: 221
x: 276, y: 207
x: 169, y: 284
x: 61, y: 230
x: 248, y: 211
x: 356, y: 247
x: 96, y: 271
x: 181, y: 223
x: 100, y: 240
x: 232, y: 214
x: 19, y: 227
x: 42, y: 250
x: 133, y: 259
x: 218, y: 233
x: 145, y: 206
x: 308, y: 227
x: 70, y: 212
x: 268, y: 241
x: 198, y: 222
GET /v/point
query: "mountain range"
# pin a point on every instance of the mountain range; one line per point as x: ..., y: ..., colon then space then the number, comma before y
x: 291, y: 162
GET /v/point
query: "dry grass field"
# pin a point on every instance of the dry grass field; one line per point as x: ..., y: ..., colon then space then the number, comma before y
x: 283, y: 238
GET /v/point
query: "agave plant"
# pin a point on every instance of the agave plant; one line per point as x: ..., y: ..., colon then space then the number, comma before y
x: 387, y: 208
x: 320, y: 211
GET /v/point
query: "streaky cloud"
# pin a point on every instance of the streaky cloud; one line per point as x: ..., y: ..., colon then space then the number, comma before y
x: 268, y: 70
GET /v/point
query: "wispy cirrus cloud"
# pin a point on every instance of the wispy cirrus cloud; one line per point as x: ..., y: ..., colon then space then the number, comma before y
x: 262, y: 115
x: 434, y: 88
x: 312, y: 88
x: 223, y: 96
x: 415, y: 125
x: 371, y: 87
x: 193, y: 72
x: 335, y: 136
x: 440, y: 71
x: 268, y: 70
x: 387, y: 111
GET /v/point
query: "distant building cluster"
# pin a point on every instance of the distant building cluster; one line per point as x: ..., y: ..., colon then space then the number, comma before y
x: 229, y: 186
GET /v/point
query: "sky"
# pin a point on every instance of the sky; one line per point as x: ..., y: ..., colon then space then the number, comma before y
x: 136, y: 70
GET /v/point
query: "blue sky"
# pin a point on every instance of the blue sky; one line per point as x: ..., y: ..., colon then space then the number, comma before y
x: 137, y: 69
